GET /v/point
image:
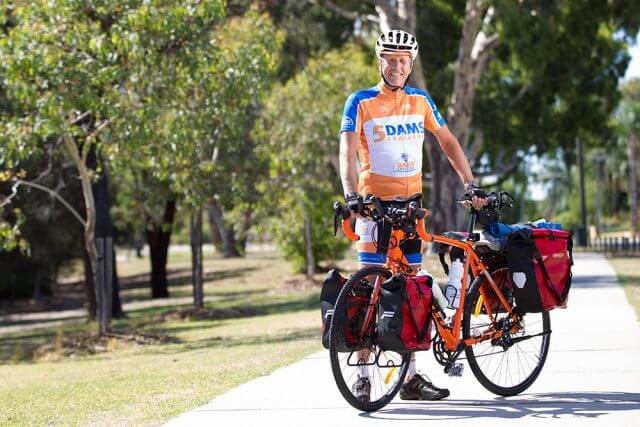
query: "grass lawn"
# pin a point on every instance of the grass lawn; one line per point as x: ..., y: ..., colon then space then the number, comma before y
x: 265, y: 322
x: 629, y: 277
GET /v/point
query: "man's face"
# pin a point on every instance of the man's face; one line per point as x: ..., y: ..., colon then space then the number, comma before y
x: 395, y: 68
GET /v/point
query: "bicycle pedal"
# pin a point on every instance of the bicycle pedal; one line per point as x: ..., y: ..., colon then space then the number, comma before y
x: 456, y: 370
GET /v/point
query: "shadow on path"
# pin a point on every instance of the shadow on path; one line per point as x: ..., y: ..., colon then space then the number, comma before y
x: 542, y: 405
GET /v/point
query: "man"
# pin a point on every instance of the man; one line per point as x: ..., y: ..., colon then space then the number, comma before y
x: 384, y: 127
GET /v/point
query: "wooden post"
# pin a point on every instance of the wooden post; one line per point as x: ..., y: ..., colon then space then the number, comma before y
x: 196, y: 258
x: 99, y: 276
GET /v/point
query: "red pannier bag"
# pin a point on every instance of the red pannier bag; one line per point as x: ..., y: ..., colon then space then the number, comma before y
x: 357, y: 303
x: 552, y: 262
x: 403, y: 317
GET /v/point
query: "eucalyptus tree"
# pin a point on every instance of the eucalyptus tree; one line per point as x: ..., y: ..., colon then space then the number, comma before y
x: 69, y: 66
x: 628, y: 117
x: 298, y: 138
x: 510, y: 75
x: 202, y: 139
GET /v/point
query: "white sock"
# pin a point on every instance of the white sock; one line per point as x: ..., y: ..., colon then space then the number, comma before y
x: 412, y: 369
x: 364, y: 372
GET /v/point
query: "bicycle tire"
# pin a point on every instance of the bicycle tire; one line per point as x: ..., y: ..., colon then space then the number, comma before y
x: 537, y: 343
x: 340, y: 371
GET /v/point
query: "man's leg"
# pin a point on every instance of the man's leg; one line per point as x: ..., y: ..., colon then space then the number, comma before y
x: 368, y: 256
x: 416, y: 386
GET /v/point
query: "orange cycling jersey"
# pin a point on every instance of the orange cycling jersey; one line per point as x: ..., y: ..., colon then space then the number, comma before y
x: 391, y: 127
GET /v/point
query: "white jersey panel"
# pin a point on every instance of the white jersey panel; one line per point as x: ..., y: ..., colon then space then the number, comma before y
x: 395, y: 144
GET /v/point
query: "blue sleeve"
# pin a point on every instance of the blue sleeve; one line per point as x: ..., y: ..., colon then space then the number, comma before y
x: 350, y: 114
x: 436, y: 114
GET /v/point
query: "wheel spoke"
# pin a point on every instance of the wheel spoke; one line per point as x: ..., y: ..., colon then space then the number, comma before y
x: 510, y: 369
x: 377, y: 371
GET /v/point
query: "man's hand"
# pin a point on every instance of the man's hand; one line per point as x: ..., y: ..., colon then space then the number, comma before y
x: 354, y: 202
x: 478, y: 195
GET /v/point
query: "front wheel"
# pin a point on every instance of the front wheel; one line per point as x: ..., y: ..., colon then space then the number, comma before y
x: 354, y: 355
x: 504, y: 366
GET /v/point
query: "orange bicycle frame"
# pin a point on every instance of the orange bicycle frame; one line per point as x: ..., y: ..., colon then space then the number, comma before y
x: 397, y: 263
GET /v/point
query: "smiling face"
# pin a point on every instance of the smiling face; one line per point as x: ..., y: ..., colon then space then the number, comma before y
x: 395, y: 68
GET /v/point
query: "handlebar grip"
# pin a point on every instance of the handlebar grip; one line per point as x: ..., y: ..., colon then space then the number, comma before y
x: 348, y: 231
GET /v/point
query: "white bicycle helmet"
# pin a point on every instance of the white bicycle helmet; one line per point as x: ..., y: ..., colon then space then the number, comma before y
x: 397, y: 41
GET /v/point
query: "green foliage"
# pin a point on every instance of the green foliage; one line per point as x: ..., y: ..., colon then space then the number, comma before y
x: 10, y: 235
x: 206, y: 151
x: 298, y: 134
x: 288, y: 230
x: 554, y: 76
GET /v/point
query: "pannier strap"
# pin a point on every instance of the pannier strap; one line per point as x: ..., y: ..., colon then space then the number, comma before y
x: 570, y: 248
x: 425, y: 328
x: 445, y: 267
x: 538, y: 257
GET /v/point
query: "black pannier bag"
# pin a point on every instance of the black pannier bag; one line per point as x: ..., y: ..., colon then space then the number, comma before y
x: 328, y: 296
x: 404, y: 314
x: 356, y: 310
x: 539, y: 268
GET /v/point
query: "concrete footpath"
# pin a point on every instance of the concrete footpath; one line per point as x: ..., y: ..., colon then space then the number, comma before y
x: 591, y: 377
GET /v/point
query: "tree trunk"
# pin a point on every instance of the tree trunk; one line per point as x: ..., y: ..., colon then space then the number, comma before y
x: 227, y: 233
x: 246, y: 224
x: 196, y: 258
x: 214, y: 233
x: 159, y: 238
x: 79, y: 161
x: 116, y: 303
x: 632, y: 152
x: 309, y: 258
x: 90, y: 289
x: 106, y: 230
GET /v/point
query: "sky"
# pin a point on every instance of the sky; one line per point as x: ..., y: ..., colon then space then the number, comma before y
x: 633, y: 70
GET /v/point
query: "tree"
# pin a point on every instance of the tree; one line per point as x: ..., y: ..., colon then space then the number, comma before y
x: 298, y: 137
x: 520, y: 78
x: 146, y: 207
x: 69, y: 66
x: 203, y: 151
x: 628, y: 116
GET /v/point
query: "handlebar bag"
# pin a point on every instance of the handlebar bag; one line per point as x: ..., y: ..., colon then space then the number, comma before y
x: 356, y: 310
x: 404, y: 314
x: 540, y: 268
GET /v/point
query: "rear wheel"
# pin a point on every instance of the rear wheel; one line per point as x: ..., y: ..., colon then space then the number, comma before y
x: 385, y: 370
x: 506, y: 366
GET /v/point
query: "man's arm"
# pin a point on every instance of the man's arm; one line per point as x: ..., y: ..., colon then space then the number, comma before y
x: 452, y: 149
x: 348, y: 157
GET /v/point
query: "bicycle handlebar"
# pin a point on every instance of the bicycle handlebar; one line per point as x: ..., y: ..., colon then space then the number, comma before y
x: 495, y: 200
x: 412, y: 214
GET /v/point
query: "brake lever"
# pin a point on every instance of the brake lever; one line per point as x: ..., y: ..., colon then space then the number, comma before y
x: 378, y: 207
x: 339, y: 210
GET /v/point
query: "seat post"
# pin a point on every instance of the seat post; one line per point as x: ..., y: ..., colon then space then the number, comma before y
x: 472, y: 221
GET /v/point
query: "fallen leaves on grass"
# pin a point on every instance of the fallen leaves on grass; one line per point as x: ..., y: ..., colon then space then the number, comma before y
x: 193, y: 313
x: 299, y: 283
x: 86, y: 343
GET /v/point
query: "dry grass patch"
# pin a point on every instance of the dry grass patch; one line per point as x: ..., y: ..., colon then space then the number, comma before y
x: 629, y: 277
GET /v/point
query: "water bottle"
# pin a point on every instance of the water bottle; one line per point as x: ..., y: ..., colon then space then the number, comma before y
x: 436, y: 292
x: 454, y: 286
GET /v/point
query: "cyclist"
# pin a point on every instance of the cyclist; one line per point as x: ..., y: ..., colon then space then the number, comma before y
x: 384, y: 127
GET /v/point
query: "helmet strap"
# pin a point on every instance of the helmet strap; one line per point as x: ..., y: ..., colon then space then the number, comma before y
x: 394, y: 88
